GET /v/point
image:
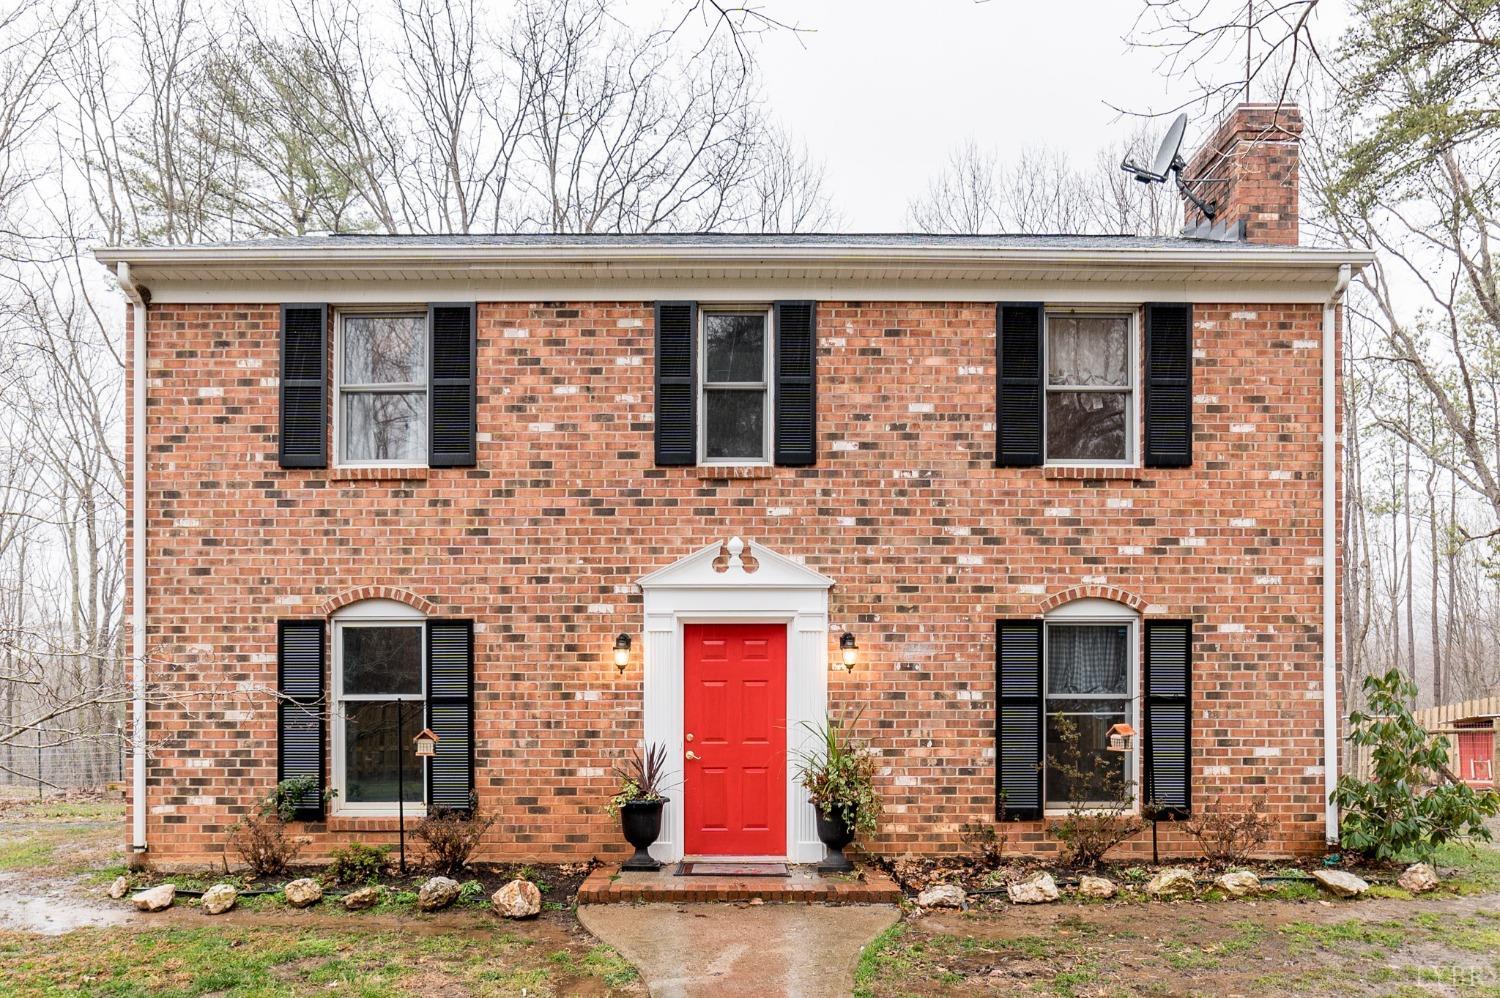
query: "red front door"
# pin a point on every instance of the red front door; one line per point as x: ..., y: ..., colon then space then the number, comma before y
x: 734, y: 722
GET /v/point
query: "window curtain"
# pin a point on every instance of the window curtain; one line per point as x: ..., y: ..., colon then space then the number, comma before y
x: 1084, y: 660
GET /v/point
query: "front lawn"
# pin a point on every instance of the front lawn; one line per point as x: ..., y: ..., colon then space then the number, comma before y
x: 1447, y: 942
x: 67, y: 852
x: 229, y: 955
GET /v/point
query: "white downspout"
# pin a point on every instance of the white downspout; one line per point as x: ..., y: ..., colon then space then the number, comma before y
x: 1330, y: 560
x: 137, y: 560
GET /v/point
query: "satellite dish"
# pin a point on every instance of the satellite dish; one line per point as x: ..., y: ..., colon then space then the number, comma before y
x: 1166, y: 156
x: 1169, y: 160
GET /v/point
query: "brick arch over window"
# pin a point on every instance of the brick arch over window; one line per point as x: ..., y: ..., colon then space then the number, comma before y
x: 1113, y: 593
x: 343, y: 599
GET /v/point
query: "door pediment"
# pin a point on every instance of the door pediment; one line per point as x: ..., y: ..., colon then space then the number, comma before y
x: 735, y: 564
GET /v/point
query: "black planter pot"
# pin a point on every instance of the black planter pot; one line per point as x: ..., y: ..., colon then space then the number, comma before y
x: 834, y: 833
x: 641, y: 823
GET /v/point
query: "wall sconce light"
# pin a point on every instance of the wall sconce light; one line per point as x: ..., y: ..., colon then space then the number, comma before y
x: 1120, y: 738
x: 622, y: 653
x: 850, y: 651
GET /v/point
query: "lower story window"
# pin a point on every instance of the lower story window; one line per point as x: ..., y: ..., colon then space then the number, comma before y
x: 1088, y: 692
x: 379, y: 688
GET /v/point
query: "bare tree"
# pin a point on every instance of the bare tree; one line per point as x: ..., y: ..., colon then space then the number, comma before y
x: 1041, y: 192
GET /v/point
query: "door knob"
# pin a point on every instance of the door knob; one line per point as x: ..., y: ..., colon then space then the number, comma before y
x: 689, y: 736
x: 691, y: 754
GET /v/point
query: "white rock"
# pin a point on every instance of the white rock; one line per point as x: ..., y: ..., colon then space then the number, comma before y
x: 1419, y: 878
x: 303, y: 893
x: 365, y: 897
x: 1097, y: 887
x: 219, y: 898
x: 517, y: 899
x: 119, y: 888
x: 1175, y: 882
x: 1340, y: 884
x: 437, y: 893
x: 1040, y: 889
x: 1238, y: 883
x: 942, y: 896
x: 155, y: 899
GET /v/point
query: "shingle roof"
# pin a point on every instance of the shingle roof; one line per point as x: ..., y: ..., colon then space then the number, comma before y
x: 894, y: 240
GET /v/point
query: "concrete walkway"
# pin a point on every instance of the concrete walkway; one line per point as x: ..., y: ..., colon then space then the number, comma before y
x: 732, y: 950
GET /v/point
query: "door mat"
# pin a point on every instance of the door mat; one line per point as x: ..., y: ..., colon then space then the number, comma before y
x: 732, y: 870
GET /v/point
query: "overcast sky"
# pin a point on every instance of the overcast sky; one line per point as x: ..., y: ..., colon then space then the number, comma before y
x: 882, y: 90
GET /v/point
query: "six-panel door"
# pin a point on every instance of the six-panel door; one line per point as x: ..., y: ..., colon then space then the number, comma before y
x: 734, y: 752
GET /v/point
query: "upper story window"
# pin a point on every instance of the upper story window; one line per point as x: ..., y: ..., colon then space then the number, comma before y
x: 381, y: 409
x: 735, y: 360
x: 1091, y: 373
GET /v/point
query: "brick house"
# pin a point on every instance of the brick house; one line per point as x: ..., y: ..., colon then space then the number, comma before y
x: 389, y: 482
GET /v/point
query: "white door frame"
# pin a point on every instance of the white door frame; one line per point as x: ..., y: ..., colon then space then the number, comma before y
x: 695, y: 591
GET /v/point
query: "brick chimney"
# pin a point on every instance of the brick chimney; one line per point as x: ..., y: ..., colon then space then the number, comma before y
x: 1248, y: 168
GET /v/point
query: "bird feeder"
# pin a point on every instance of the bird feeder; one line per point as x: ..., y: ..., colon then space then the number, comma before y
x: 426, y: 744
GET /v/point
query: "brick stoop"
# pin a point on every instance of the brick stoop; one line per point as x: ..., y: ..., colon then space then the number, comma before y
x: 607, y: 885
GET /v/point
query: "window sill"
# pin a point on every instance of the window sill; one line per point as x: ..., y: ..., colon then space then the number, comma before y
x: 734, y: 471
x: 1078, y: 473
x: 374, y: 822
x: 363, y: 474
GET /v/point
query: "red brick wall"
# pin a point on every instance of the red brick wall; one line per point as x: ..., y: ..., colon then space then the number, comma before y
x: 541, y: 543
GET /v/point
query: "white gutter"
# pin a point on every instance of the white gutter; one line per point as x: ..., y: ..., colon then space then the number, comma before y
x: 354, y: 253
x: 1330, y: 559
x: 137, y: 559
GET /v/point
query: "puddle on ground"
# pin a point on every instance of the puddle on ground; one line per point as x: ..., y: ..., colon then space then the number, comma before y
x: 66, y: 905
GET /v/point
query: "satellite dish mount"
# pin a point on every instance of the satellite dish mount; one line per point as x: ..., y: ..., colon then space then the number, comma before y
x: 1169, y: 161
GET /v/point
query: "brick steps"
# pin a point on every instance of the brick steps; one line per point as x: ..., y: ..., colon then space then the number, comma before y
x: 607, y: 885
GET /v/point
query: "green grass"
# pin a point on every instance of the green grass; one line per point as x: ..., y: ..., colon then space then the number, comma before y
x: 286, y: 961
x: 881, y: 957
x: 25, y: 854
x: 1345, y: 935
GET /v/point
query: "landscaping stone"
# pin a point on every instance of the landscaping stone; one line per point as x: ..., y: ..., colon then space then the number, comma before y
x: 1419, y: 878
x: 1172, y: 883
x: 365, y: 897
x: 1097, y: 887
x: 1238, y: 883
x: 303, y: 893
x: 1040, y: 889
x: 942, y: 896
x: 437, y: 894
x: 517, y: 899
x: 119, y: 888
x: 156, y: 899
x: 219, y: 898
x: 1340, y: 884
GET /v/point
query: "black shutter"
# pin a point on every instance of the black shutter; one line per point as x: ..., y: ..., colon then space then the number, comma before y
x: 450, y: 713
x: 304, y: 386
x: 451, y: 390
x: 676, y: 382
x: 300, y: 728
x: 1169, y: 729
x: 796, y: 383
x: 1018, y: 385
x: 1169, y: 386
x: 1018, y: 719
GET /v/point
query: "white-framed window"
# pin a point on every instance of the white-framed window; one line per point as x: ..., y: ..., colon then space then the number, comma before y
x: 379, y: 676
x: 734, y: 378
x: 1091, y: 399
x: 380, y: 407
x: 1090, y: 664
